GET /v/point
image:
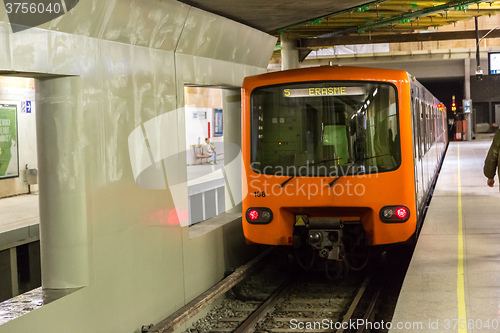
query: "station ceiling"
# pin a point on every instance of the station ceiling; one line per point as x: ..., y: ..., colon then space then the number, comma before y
x: 324, y: 23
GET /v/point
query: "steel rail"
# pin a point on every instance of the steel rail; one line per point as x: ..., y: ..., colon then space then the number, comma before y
x: 370, y: 309
x: 249, y: 324
x: 354, y: 303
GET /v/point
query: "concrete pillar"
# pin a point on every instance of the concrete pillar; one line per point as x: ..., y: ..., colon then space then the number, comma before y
x: 289, y: 51
x: 468, y: 116
x: 231, y: 107
x: 61, y: 141
x: 467, y: 78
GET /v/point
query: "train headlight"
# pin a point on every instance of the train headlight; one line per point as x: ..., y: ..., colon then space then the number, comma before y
x: 315, y: 237
x: 259, y: 215
x: 394, y: 214
x: 388, y: 213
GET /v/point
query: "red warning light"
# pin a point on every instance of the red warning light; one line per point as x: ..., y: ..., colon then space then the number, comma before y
x: 401, y: 213
x: 253, y: 214
x: 394, y: 214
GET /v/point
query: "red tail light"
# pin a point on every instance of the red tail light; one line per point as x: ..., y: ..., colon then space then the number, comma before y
x: 394, y: 214
x: 253, y: 214
x: 259, y: 215
x: 402, y: 212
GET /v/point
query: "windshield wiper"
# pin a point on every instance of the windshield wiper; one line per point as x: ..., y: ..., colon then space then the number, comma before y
x: 286, y: 181
x: 330, y: 184
x: 370, y: 157
x: 316, y: 163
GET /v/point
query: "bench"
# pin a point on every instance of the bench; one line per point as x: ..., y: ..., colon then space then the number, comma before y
x: 198, y: 154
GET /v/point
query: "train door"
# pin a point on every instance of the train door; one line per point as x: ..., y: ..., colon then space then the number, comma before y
x: 417, y: 147
x: 435, y: 122
x: 422, y: 147
x: 426, y: 134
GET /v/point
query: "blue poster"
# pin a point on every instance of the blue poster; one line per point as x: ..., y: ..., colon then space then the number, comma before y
x: 218, y: 122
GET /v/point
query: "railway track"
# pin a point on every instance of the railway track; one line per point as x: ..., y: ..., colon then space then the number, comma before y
x: 277, y: 299
x: 321, y: 307
x: 304, y: 303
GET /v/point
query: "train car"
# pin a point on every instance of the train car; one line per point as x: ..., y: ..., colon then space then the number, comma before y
x: 338, y: 160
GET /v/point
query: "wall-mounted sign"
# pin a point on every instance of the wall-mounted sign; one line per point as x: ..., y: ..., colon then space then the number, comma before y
x: 199, y: 115
x: 494, y: 62
x: 467, y: 103
x: 218, y: 122
x: 25, y: 106
x: 9, y: 162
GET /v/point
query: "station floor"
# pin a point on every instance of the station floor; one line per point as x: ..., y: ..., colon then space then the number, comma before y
x: 19, y: 219
x: 453, y: 281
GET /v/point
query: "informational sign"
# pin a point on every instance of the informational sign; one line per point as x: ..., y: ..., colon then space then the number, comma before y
x: 199, y: 115
x: 494, y: 62
x: 467, y: 103
x: 218, y: 122
x: 324, y: 91
x: 9, y: 162
x: 25, y: 106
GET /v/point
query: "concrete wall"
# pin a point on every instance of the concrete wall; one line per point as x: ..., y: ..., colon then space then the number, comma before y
x: 14, y: 91
x: 114, y: 119
x: 488, y: 89
x: 485, y: 95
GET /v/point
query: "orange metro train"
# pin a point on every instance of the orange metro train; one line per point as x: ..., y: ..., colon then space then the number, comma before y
x: 337, y: 160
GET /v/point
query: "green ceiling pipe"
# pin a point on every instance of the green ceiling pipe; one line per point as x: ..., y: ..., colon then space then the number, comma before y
x: 462, y: 5
x: 364, y: 7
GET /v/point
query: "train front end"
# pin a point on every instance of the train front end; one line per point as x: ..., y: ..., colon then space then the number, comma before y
x: 323, y: 165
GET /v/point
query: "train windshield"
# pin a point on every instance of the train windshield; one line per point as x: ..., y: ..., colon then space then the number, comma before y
x: 331, y: 128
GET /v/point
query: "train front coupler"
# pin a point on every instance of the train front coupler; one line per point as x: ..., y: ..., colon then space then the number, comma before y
x: 325, y: 235
x: 322, y: 234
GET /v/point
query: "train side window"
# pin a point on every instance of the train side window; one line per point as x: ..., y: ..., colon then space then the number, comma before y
x: 418, y: 111
x: 428, y: 128
x: 423, y: 130
x: 434, y: 115
x: 415, y: 125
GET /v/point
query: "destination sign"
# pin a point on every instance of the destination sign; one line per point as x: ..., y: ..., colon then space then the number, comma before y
x: 324, y: 91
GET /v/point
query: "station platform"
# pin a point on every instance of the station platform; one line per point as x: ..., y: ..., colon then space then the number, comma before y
x: 453, y: 281
x: 19, y: 248
x: 19, y: 219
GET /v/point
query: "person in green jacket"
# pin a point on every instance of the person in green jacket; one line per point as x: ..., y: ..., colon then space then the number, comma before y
x: 492, y: 162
